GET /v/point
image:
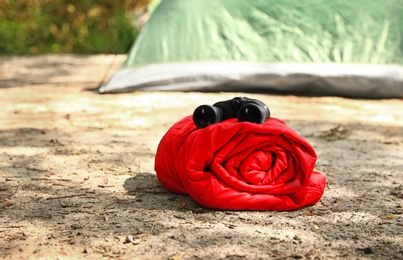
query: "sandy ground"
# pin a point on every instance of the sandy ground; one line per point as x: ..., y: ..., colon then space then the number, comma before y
x: 77, y: 178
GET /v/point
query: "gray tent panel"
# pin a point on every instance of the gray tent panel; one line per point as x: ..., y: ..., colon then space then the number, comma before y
x: 350, y: 80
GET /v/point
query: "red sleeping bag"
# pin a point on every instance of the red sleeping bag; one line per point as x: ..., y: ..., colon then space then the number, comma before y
x: 240, y: 166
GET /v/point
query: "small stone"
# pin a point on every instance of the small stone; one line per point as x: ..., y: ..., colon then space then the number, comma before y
x: 136, y: 241
x: 129, y: 239
x: 88, y: 250
x: 369, y: 250
x: 174, y: 235
x: 228, y: 236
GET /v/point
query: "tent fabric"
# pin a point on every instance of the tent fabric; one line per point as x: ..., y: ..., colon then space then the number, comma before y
x: 240, y: 166
x: 271, y: 32
x: 348, y: 80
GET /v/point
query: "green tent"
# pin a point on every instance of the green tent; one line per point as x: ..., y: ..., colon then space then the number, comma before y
x: 317, y: 47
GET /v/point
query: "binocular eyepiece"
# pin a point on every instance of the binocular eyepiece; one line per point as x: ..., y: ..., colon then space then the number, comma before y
x: 243, y: 108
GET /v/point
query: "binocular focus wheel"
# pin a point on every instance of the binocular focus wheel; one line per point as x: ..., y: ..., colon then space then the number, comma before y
x: 206, y: 115
x: 253, y: 113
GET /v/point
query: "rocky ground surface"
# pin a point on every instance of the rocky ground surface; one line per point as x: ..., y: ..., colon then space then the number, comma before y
x: 77, y: 178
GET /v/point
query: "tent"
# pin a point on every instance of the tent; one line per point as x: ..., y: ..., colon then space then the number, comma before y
x: 311, y: 47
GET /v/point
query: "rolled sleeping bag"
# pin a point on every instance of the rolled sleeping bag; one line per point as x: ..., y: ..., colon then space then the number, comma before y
x: 235, y: 165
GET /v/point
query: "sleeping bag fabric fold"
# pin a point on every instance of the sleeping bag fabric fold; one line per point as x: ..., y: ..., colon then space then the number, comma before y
x: 240, y: 166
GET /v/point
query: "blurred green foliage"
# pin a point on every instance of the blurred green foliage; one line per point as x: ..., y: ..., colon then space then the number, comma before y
x: 66, y: 26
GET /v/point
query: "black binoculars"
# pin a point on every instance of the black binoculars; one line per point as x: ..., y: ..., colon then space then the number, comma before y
x: 243, y: 108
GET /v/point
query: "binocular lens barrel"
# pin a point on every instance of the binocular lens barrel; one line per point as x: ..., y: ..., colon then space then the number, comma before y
x: 206, y: 115
x: 253, y: 113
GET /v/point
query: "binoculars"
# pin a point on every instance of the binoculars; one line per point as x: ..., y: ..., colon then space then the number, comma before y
x: 243, y: 108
